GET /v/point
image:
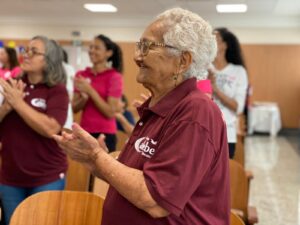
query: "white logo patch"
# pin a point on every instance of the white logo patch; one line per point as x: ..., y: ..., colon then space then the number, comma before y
x: 39, y: 103
x: 145, y: 146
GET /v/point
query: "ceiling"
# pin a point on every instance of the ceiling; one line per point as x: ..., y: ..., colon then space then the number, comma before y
x: 138, y: 13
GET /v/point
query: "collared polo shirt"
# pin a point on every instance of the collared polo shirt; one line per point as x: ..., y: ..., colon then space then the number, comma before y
x: 28, y: 158
x: 180, y: 144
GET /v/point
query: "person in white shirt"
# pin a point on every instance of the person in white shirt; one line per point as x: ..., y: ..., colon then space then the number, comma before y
x: 70, y: 72
x: 229, y: 82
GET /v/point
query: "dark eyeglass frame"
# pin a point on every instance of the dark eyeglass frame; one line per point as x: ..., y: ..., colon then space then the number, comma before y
x: 31, y: 52
x: 144, y: 46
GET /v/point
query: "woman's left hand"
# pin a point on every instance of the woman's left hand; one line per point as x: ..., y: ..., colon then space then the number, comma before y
x: 13, y: 91
x: 83, y: 85
x: 79, y: 145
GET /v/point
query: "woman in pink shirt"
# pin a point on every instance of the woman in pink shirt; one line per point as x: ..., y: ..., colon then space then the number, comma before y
x: 10, y: 65
x: 99, y: 90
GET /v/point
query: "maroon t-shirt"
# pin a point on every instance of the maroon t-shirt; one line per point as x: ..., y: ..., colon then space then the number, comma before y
x: 28, y: 158
x: 180, y: 144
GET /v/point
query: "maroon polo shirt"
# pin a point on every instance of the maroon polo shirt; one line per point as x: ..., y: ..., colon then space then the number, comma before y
x: 180, y: 144
x: 28, y: 158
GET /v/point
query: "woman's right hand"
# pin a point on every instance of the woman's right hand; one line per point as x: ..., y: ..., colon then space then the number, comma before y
x: 211, y: 76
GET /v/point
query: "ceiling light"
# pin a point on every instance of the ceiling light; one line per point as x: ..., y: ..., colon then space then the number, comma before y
x: 100, y: 7
x: 231, y: 8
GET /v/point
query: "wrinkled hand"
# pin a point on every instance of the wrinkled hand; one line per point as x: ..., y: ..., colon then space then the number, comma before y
x: 79, y: 145
x: 13, y: 91
x: 83, y: 85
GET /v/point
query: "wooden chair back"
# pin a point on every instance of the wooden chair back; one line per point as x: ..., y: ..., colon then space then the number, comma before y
x: 235, y: 219
x: 238, y: 188
x: 59, y: 208
x: 239, y: 154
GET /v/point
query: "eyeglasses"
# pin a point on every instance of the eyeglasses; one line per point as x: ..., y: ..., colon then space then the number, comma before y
x: 30, y: 52
x: 143, y: 47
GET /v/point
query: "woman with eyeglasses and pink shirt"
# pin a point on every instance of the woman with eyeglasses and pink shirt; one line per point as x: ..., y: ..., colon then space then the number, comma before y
x: 34, y: 109
x: 99, y: 90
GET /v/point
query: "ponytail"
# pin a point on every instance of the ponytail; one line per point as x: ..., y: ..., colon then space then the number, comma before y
x: 117, y: 56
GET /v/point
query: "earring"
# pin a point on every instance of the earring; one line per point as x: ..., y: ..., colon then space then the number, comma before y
x: 175, y: 77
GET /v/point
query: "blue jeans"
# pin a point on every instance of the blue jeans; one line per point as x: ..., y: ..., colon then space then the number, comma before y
x: 12, y: 196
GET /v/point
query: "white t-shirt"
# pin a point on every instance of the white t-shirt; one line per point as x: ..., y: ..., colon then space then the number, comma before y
x: 70, y: 72
x: 233, y: 82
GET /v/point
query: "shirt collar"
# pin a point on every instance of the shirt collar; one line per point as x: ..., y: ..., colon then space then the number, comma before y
x: 171, y: 99
x: 27, y: 82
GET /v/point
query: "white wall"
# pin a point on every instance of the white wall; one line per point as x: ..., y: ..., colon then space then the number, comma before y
x: 246, y: 35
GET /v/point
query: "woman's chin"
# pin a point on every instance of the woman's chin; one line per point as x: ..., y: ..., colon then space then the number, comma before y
x: 140, y: 78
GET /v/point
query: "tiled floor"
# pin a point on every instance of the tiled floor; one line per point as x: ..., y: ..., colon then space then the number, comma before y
x: 275, y: 189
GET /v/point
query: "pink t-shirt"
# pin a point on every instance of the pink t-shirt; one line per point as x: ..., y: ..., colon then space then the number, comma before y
x: 6, y: 74
x: 204, y: 86
x: 108, y: 83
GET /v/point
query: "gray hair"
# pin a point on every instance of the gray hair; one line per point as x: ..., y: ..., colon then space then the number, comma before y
x: 187, y: 31
x: 54, y: 72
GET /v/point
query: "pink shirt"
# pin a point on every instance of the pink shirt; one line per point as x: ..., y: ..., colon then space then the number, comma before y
x: 204, y: 86
x: 108, y: 83
x: 6, y: 74
x: 180, y: 144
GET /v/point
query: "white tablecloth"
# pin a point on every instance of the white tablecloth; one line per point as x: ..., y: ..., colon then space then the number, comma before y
x: 264, y: 117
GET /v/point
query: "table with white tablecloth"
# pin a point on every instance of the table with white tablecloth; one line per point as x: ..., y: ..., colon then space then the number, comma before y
x: 264, y: 117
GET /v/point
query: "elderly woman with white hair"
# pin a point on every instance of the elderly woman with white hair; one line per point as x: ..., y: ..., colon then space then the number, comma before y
x: 174, y: 167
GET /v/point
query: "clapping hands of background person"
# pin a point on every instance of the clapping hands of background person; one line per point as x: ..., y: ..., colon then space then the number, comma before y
x: 13, y: 91
x: 83, y: 85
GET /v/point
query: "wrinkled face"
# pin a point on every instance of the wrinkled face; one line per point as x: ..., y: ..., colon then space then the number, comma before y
x: 98, y: 52
x: 158, y: 66
x: 3, y: 57
x: 34, y: 57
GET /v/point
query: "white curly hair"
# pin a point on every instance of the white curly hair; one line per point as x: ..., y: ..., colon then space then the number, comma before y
x: 187, y: 31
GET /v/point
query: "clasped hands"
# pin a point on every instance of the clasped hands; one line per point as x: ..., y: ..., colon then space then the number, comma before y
x: 81, y: 146
x: 13, y: 92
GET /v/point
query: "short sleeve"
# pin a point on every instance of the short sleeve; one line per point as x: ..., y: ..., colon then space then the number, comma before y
x: 115, y: 85
x: 241, y: 89
x: 57, y: 104
x: 182, y: 159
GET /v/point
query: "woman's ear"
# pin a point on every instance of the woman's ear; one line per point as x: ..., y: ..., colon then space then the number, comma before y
x: 186, y: 60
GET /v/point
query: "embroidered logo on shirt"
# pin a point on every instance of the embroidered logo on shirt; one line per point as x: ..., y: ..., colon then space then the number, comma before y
x: 39, y: 103
x: 145, y: 146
